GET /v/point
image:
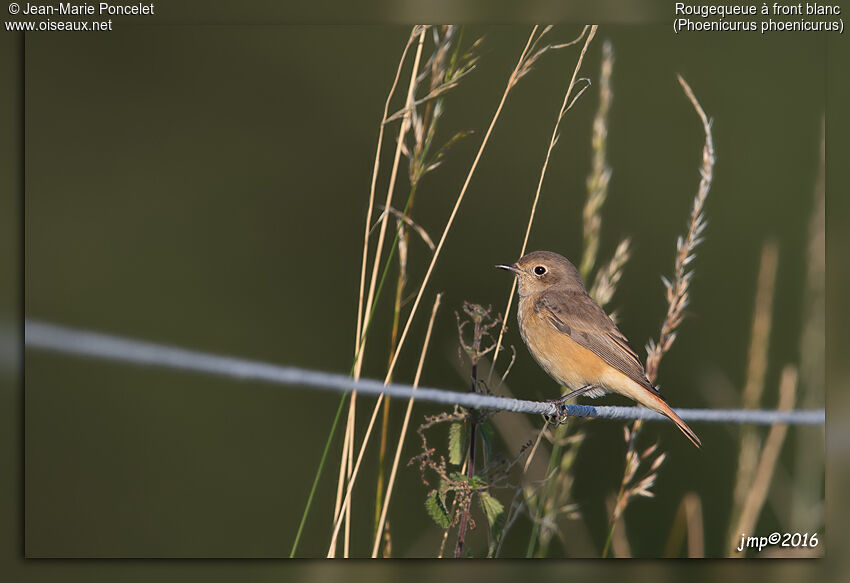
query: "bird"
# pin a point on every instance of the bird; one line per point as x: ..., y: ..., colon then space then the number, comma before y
x: 573, y: 339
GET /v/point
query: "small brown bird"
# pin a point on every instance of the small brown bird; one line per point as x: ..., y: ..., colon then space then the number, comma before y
x: 574, y: 340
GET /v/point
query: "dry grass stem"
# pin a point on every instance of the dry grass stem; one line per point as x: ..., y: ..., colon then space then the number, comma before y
x: 607, y: 278
x: 435, y: 93
x: 405, y: 125
x: 677, y: 300
x: 403, y: 434
x: 762, y: 322
x: 346, y: 547
x: 634, y: 484
x: 510, y: 364
x: 515, y: 510
x: 600, y: 175
x: 426, y: 279
x: 533, y: 449
x: 553, y: 503
x: 812, y: 341
x: 363, y: 265
x: 688, y: 522
x: 677, y: 290
x: 619, y: 540
x: 367, y: 231
x: 693, y: 514
x: 423, y: 234
x: 443, y: 70
x: 517, y: 430
x: 758, y: 488
x: 362, y: 324
x: 588, y: 32
x: 809, y: 448
x: 534, y: 53
x: 350, y: 486
x: 511, y: 82
x: 345, y: 467
x: 756, y: 370
x: 553, y: 500
x: 375, y: 168
x: 349, y: 435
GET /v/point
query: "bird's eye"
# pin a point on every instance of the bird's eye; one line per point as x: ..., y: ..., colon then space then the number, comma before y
x: 540, y: 270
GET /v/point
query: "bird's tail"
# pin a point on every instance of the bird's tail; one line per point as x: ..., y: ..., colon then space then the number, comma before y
x: 657, y: 403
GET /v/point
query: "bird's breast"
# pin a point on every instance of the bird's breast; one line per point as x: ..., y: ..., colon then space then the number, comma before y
x: 566, y: 361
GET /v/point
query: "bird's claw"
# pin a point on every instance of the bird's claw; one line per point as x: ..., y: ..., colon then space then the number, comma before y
x: 560, y: 415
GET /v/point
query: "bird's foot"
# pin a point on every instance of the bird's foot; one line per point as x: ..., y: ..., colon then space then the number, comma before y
x: 560, y: 415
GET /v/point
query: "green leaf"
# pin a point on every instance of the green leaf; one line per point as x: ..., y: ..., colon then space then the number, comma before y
x: 487, y: 433
x: 437, y: 510
x: 492, y: 508
x: 475, y: 482
x: 457, y: 443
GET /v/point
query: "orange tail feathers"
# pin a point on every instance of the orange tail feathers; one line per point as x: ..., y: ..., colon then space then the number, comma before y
x: 660, y: 405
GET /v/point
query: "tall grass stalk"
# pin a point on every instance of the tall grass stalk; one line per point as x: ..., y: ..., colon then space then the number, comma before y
x: 678, y: 297
x: 358, y: 345
x: 809, y: 446
x: 751, y: 397
x: 405, y: 125
x: 386, y: 502
x: 517, y: 73
x: 554, y: 496
x: 763, y: 474
x: 600, y: 176
x: 444, y: 69
x: 548, y: 500
x: 521, y: 69
x: 587, y: 33
x: 688, y: 523
x: 608, y: 277
x: 371, y: 208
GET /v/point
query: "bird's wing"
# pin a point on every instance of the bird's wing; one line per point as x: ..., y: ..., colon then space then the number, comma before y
x: 579, y: 317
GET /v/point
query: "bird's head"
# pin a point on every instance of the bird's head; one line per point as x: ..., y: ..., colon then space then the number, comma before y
x: 540, y: 271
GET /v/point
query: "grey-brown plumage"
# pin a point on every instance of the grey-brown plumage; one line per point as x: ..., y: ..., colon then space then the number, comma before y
x: 574, y: 340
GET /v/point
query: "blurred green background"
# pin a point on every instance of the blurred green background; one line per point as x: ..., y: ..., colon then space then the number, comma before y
x: 207, y: 187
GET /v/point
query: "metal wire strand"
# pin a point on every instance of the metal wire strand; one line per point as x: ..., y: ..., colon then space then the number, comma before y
x: 85, y: 343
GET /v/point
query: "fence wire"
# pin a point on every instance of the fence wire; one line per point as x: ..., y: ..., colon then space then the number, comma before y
x: 85, y: 343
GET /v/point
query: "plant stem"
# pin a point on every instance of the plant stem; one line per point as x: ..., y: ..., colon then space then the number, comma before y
x: 608, y: 540
x: 399, y: 295
x: 385, y: 505
x: 342, y: 399
x: 615, y: 514
x: 590, y: 31
x: 317, y: 476
x: 541, y: 500
x: 470, y: 466
x: 512, y: 81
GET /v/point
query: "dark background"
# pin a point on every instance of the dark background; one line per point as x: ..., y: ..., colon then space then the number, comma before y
x: 164, y: 206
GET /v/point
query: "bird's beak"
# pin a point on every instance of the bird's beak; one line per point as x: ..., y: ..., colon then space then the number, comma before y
x: 512, y: 268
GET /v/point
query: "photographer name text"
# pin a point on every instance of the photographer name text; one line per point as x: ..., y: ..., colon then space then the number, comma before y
x: 101, y: 9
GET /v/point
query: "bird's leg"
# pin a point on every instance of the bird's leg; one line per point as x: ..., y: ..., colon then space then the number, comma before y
x: 560, y: 405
